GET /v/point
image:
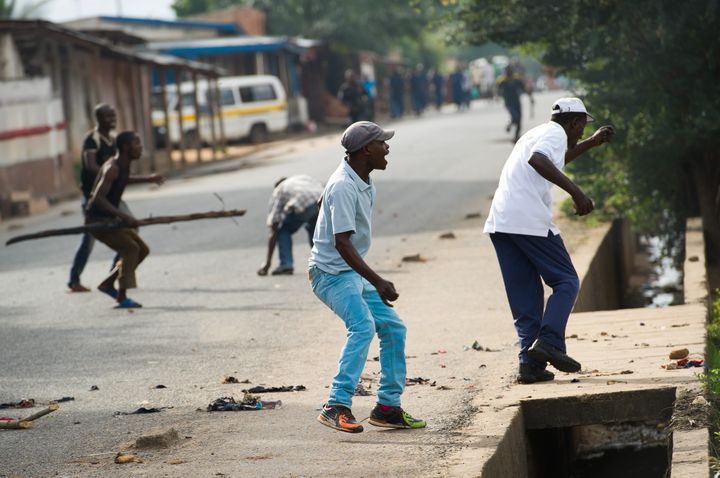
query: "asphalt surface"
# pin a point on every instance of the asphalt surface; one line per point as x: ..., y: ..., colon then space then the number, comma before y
x: 208, y: 315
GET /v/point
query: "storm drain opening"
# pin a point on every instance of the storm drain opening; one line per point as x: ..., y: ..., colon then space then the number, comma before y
x: 620, y: 434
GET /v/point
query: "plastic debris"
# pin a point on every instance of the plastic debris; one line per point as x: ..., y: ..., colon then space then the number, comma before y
x: 419, y: 381
x: 25, y: 403
x: 287, y: 388
x: 249, y: 402
x: 122, y: 458
x: 143, y: 411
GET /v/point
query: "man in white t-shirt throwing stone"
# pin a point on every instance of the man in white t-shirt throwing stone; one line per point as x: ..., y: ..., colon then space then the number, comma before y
x: 342, y: 280
x: 528, y: 244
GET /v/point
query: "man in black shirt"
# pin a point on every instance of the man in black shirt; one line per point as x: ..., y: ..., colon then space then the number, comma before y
x: 104, y: 207
x: 98, y: 147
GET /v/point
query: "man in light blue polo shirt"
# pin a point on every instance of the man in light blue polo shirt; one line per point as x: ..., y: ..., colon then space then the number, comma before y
x: 350, y: 288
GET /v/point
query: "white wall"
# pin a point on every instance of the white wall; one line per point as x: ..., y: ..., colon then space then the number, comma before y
x: 31, y: 122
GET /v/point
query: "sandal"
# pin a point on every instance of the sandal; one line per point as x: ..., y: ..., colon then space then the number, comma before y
x: 128, y: 303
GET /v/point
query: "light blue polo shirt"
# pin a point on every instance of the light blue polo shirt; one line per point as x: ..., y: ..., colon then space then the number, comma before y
x: 347, y: 204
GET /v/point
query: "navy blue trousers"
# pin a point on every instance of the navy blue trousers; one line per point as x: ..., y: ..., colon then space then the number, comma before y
x: 525, y: 262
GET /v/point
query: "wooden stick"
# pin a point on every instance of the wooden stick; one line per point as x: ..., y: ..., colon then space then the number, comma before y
x: 105, y: 226
x: 25, y: 423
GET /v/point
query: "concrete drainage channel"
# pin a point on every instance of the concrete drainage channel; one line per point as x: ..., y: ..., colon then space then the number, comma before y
x: 621, y: 434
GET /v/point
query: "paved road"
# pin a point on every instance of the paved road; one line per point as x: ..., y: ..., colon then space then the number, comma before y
x: 208, y: 315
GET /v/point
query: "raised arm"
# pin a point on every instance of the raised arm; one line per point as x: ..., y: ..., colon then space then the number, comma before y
x: 601, y: 136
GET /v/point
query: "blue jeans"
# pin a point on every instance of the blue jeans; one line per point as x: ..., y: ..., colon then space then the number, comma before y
x: 359, y: 306
x: 83, y: 253
x: 525, y: 261
x: 289, y: 226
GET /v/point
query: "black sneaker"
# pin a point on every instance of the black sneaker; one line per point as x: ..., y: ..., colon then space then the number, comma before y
x: 282, y: 271
x: 544, y: 352
x: 396, y: 417
x: 530, y: 373
x: 339, y: 418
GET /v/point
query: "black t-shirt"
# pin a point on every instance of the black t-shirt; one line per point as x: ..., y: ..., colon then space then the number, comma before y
x: 114, y: 195
x: 104, y: 149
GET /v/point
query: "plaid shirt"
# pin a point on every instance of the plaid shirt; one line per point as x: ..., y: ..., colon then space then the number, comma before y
x: 295, y: 194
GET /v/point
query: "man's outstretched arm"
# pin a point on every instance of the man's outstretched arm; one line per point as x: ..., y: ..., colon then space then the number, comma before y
x: 601, y: 136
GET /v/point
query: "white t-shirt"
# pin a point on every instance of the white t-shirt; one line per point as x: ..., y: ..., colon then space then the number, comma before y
x: 346, y: 206
x: 523, y: 201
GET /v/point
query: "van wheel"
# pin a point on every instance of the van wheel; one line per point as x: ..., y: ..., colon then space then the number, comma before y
x: 258, y: 134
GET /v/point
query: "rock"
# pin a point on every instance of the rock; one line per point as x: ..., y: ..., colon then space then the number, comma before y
x: 122, y: 458
x: 678, y: 354
x: 414, y: 258
x: 158, y: 438
x: 700, y: 400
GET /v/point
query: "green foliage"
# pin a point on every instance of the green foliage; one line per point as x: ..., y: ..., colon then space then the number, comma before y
x: 374, y: 25
x: 9, y: 8
x: 649, y: 67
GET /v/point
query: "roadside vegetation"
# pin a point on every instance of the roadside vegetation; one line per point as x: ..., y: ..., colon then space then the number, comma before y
x: 711, y: 378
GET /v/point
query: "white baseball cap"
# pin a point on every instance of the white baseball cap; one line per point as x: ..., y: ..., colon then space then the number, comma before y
x: 571, y: 105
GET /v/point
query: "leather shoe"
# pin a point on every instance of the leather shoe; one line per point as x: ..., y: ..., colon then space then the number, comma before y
x: 544, y: 352
x: 282, y: 271
x: 530, y: 373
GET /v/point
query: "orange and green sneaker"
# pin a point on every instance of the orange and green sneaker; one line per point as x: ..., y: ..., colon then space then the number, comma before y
x: 394, y: 417
x: 340, y: 418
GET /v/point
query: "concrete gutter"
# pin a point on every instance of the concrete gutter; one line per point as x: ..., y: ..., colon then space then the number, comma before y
x: 621, y: 351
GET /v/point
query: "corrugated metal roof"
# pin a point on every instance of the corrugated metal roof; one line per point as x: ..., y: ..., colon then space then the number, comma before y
x: 32, y: 28
x: 200, y: 24
x: 219, y: 46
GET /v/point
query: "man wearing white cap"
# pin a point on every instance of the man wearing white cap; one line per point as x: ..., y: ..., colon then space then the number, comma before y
x: 342, y: 280
x: 528, y: 244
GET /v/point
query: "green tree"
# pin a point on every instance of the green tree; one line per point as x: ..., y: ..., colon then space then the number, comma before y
x: 11, y: 8
x: 374, y: 25
x: 651, y: 68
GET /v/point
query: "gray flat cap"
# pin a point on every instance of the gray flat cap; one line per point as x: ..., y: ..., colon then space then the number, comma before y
x: 362, y: 133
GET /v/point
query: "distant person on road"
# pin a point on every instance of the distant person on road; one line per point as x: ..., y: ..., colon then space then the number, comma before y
x: 511, y: 85
x: 353, y: 96
x: 438, y: 82
x: 397, y: 93
x: 104, y: 207
x: 457, y: 86
x: 98, y: 146
x: 342, y: 280
x: 527, y: 243
x: 293, y: 204
x: 419, y: 89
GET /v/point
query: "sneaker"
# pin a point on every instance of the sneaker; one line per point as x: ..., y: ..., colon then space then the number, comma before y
x: 339, y: 418
x: 544, y: 352
x: 78, y: 288
x: 396, y: 417
x: 282, y: 271
x: 530, y: 373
